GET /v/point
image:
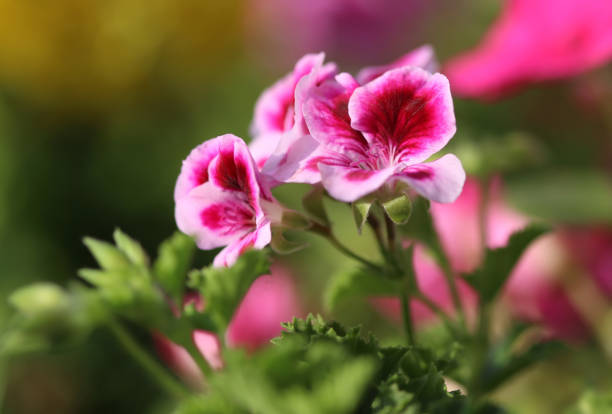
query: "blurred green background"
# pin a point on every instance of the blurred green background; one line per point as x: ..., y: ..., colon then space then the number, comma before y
x: 100, y: 100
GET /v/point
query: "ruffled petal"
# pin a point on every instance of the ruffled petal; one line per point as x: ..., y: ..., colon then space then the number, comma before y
x: 441, y: 180
x: 422, y: 57
x: 407, y: 112
x: 214, y: 217
x: 278, y: 109
x: 263, y: 146
x: 194, y: 171
x: 234, y: 170
x: 327, y: 117
x: 274, y: 108
x: 257, y: 239
x: 350, y: 184
x: 288, y: 162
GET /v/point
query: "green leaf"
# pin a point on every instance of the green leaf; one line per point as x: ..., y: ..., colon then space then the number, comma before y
x: 408, y: 380
x: 502, y: 363
x: 592, y: 402
x: 313, y: 204
x: 107, y: 255
x: 357, y: 283
x: 40, y: 299
x: 131, y: 248
x: 398, y: 209
x: 125, y: 284
x: 575, y: 197
x: 223, y: 288
x: 489, y: 278
x: 172, y: 264
x: 49, y: 316
x: 361, y: 210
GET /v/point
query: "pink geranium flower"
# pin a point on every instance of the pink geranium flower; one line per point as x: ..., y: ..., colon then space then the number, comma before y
x: 382, y: 133
x: 271, y: 300
x: 222, y: 201
x: 275, y: 109
x: 534, y: 41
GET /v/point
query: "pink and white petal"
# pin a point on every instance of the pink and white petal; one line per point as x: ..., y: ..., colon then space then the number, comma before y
x: 263, y: 146
x: 350, y: 184
x: 274, y: 110
x: 318, y: 75
x: 441, y: 180
x: 214, y: 217
x: 327, y: 117
x: 194, y: 171
x: 408, y: 110
x: 347, y: 81
x: 257, y: 239
x: 234, y: 170
x: 287, y: 162
x: 422, y: 57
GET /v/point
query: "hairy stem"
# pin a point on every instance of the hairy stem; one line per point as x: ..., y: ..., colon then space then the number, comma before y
x: 159, y: 373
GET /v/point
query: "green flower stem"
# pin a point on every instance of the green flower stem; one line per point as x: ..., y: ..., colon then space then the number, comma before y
x: 483, y: 312
x: 452, y: 286
x: 390, y: 225
x: 420, y: 296
x: 374, y: 224
x: 326, y: 232
x: 161, y: 375
x: 407, y: 316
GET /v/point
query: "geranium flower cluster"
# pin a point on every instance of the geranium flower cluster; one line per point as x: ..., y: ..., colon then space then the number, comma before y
x: 369, y: 135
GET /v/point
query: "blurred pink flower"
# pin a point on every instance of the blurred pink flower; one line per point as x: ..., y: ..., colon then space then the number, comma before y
x: 271, y: 300
x: 534, y: 41
x: 593, y: 249
x: 432, y: 283
x: 534, y: 291
x: 351, y: 30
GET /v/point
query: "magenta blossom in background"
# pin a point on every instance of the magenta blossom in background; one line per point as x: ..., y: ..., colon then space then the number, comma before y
x: 221, y: 200
x: 271, y: 300
x: 353, y: 31
x: 432, y: 283
x: 422, y: 57
x: 534, y: 41
x: 534, y: 291
x: 592, y: 248
x: 381, y: 133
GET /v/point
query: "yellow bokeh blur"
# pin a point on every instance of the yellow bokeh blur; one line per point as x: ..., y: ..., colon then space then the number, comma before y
x: 91, y: 54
